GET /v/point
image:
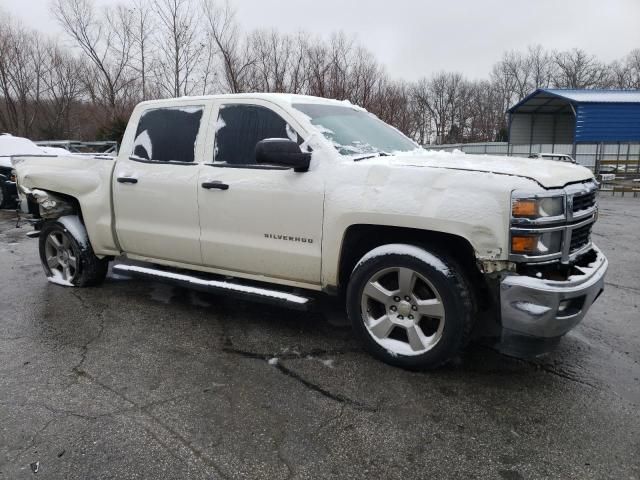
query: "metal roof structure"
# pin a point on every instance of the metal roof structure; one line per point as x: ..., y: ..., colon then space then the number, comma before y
x: 593, y: 115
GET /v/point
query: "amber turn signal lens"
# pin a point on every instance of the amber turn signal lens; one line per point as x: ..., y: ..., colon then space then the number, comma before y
x: 525, y: 208
x: 523, y: 244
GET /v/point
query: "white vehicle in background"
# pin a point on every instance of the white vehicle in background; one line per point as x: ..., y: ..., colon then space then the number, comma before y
x: 11, y: 146
x: 558, y: 157
x: 282, y: 197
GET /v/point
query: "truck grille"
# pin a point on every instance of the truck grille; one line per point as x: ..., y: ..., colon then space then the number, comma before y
x: 584, y: 201
x: 580, y: 237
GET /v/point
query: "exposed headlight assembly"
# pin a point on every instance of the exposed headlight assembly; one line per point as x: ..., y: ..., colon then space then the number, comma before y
x: 552, y: 225
x: 537, y: 224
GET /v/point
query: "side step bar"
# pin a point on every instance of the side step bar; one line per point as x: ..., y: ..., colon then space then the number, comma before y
x: 266, y: 295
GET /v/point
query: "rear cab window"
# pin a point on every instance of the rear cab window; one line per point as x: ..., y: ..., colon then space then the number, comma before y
x: 239, y: 127
x: 168, y: 135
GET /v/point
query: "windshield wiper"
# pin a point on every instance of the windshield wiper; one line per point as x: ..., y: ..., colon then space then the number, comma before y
x: 373, y: 155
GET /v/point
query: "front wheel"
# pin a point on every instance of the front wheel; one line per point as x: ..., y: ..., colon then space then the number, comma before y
x: 68, y: 260
x: 411, y: 308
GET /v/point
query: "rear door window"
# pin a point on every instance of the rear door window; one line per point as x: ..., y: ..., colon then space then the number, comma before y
x: 168, y: 134
x: 240, y: 127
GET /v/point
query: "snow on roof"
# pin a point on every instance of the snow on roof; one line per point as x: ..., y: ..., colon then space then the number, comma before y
x: 280, y: 98
x: 597, y: 96
x: 544, y: 100
x: 10, y: 145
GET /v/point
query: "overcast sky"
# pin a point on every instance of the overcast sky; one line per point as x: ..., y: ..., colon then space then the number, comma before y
x: 414, y: 38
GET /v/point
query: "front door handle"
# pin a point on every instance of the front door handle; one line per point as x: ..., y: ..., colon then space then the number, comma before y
x: 217, y: 185
x: 127, y: 180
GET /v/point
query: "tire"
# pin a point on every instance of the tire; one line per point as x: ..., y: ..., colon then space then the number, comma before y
x: 5, y: 201
x: 410, y: 308
x: 74, y: 264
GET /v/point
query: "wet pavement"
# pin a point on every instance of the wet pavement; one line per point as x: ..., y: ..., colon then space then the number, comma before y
x: 141, y: 380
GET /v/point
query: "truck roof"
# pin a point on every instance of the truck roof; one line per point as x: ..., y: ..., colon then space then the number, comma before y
x: 278, y: 98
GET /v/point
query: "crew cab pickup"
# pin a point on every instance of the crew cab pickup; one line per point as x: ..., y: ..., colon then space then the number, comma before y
x: 281, y: 198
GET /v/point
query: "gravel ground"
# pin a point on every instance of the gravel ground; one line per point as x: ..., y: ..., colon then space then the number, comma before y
x: 141, y: 380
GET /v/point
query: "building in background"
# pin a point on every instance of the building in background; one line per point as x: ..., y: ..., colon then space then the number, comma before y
x: 600, y: 128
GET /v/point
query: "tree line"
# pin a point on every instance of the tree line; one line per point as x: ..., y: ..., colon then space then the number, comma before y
x: 85, y: 85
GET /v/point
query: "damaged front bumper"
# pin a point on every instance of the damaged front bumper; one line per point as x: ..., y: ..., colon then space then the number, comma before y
x: 536, y: 312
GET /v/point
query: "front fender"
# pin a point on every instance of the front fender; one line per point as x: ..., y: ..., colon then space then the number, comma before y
x: 472, y: 205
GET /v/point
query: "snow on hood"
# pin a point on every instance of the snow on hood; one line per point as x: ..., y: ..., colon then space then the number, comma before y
x: 548, y: 173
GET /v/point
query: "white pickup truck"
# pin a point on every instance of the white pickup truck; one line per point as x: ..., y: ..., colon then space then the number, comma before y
x: 279, y: 197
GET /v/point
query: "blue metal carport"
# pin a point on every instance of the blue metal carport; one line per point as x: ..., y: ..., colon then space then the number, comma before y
x: 561, y: 116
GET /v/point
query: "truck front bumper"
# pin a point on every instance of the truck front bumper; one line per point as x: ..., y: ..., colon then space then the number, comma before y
x: 536, y: 312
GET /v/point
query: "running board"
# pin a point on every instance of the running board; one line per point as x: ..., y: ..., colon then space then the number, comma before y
x: 277, y: 297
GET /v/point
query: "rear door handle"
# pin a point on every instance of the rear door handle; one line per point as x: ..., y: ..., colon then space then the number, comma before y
x: 217, y: 185
x: 127, y: 180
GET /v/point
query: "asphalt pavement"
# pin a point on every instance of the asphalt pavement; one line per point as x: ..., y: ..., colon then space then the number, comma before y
x: 136, y: 379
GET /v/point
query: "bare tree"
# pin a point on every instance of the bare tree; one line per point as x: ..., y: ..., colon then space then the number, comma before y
x: 63, y: 88
x: 626, y: 72
x: 107, y: 43
x: 142, y: 26
x: 179, y: 46
x: 21, y: 70
x: 577, y: 69
x: 235, y: 53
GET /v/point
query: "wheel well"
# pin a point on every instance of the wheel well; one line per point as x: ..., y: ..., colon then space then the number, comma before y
x: 360, y: 239
x: 72, y: 202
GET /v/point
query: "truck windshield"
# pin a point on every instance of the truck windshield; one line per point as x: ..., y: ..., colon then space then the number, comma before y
x: 353, y: 131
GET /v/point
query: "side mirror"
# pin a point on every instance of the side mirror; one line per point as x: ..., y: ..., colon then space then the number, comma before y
x: 282, y: 152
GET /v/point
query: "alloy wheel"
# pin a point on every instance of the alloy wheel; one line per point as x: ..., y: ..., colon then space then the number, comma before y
x: 60, y: 257
x: 402, y: 311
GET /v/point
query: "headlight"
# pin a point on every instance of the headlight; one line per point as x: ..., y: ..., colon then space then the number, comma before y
x: 544, y: 243
x: 537, y: 207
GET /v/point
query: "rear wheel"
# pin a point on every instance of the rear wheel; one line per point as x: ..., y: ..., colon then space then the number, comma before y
x: 411, y: 308
x: 4, y: 195
x: 68, y: 261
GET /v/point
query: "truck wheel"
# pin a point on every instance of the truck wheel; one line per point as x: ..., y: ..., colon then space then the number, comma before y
x: 66, y: 260
x: 411, y: 308
x: 4, y: 195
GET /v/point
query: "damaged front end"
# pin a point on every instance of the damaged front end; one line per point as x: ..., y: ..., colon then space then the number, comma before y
x: 541, y: 304
x: 45, y: 205
x: 40, y: 205
x: 558, y: 274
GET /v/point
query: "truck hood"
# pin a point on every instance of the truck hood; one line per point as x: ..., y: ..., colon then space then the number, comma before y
x: 547, y: 173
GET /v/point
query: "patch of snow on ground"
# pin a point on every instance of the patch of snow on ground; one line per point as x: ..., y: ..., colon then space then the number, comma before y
x: 328, y: 362
x: 273, y: 361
